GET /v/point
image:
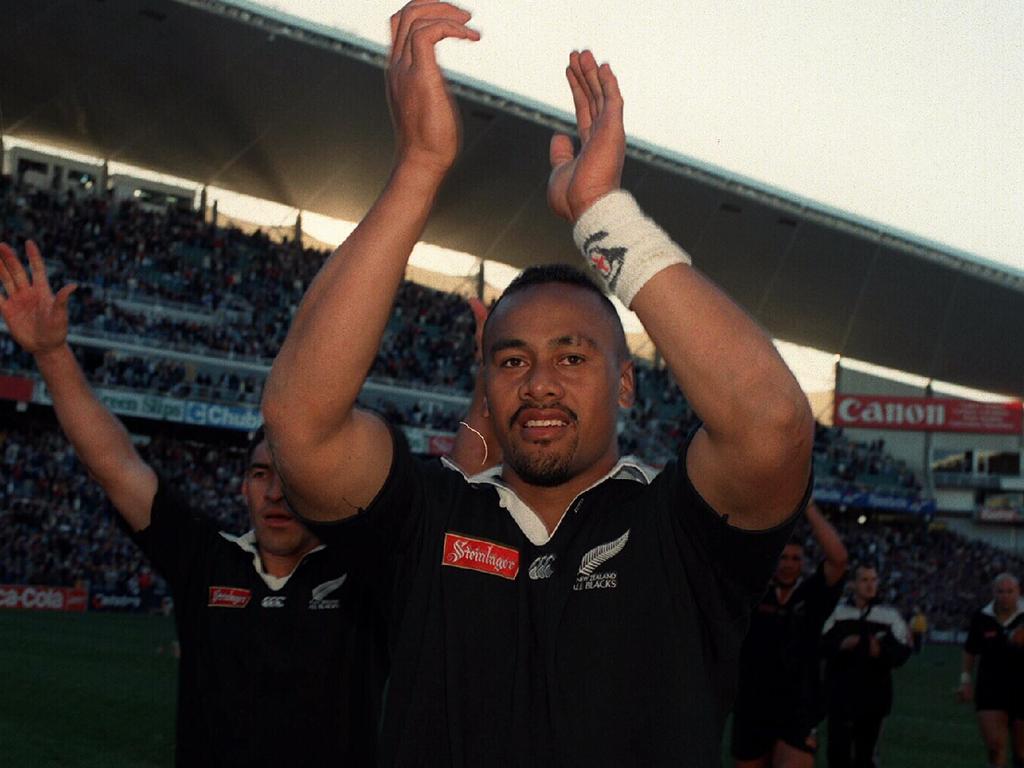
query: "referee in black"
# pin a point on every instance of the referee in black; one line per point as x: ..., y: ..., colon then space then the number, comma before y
x: 993, y: 671
x: 282, y: 661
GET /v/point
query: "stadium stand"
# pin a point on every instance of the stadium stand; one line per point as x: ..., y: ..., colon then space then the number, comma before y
x: 170, y: 305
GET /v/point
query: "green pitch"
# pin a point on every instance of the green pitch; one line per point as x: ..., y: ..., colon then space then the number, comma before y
x: 92, y: 690
x: 86, y: 689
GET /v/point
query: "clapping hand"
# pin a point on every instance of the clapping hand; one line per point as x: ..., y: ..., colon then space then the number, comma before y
x: 578, y: 181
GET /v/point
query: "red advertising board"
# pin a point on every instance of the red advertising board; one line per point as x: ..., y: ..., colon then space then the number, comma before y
x: 16, y: 388
x: 927, y: 414
x: 30, y: 597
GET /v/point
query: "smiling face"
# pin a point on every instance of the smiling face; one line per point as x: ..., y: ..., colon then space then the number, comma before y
x: 278, y: 532
x: 555, y: 378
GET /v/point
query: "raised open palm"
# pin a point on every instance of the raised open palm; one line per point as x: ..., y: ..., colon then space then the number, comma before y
x: 579, y: 181
x: 36, y: 318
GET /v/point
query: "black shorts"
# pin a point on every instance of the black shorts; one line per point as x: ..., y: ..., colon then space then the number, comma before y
x: 754, y: 733
x: 1000, y: 695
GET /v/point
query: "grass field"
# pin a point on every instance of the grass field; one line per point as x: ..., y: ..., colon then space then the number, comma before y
x: 90, y: 691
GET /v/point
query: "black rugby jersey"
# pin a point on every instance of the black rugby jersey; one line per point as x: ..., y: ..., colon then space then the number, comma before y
x: 273, y: 671
x: 613, y: 642
x: 857, y: 682
x: 779, y: 666
x: 1000, y: 662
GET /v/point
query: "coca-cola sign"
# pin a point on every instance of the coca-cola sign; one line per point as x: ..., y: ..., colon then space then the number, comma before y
x: 35, y: 598
x: 480, y: 555
x: 927, y: 414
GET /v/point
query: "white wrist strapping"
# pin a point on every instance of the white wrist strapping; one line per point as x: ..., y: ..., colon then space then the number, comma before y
x: 965, y: 678
x: 624, y: 247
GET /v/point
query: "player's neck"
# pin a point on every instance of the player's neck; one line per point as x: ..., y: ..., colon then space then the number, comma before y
x: 860, y: 603
x: 550, y: 503
x: 282, y: 565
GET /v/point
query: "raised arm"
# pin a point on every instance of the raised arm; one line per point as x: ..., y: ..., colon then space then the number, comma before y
x: 831, y: 545
x: 751, y: 458
x: 38, y: 321
x: 332, y: 457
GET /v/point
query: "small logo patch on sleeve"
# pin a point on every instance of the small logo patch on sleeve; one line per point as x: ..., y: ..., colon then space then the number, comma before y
x: 229, y: 597
x: 479, y: 555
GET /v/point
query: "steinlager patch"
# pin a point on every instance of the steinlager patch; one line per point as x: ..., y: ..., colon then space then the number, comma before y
x: 480, y: 555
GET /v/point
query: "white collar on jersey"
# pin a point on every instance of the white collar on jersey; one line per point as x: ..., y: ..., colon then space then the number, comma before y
x: 529, y: 522
x: 990, y: 610
x: 247, y: 543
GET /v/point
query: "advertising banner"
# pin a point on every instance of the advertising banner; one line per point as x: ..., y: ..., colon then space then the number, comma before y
x: 33, y: 598
x: 125, y: 403
x: 242, y: 417
x: 856, y: 498
x: 110, y: 601
x: 927, y: 414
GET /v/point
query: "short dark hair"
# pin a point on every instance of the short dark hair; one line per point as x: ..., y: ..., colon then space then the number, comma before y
x: 562, y: 274
x: 255, y: 438
x: 865, y: 565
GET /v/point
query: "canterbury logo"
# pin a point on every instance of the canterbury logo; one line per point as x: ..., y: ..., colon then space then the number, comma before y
x: 542, y: 567
x: 323, y: 590
x: 598, y: 556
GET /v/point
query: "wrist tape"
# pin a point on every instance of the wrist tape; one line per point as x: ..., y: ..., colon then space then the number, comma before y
x: 624, y: 247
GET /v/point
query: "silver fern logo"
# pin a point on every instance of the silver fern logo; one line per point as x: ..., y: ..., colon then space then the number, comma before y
x: 589, y: 577
x: 598, y: 556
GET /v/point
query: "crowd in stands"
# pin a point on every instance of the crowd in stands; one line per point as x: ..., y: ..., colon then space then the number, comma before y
x: 233, y: 295
x: 247, y: 284
x: 865, y: 464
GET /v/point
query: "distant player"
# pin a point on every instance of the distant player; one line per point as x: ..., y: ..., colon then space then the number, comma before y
x: 279, y: 652
x: 995, y: 641
x: 780, y: 700
x: 864, y: 641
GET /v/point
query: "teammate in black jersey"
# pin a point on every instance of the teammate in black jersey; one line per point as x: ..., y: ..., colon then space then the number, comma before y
x: 995, y: 641
x: 281, y: 659
x: 565, y: 608
x: 780, y: 700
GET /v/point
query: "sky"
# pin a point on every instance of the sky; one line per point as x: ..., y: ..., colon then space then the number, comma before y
x: 909, y: 114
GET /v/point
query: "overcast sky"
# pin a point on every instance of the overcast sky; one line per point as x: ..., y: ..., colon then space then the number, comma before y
x: 911, y: 114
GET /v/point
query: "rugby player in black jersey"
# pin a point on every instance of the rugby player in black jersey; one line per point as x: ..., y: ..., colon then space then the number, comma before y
x: 565, y: 608
x: 281, y: 658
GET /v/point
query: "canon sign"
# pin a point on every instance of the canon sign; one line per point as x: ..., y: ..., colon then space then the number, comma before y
x: 891, y: 414
x: 927, y: 414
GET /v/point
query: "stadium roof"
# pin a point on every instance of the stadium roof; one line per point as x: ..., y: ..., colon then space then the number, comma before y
x: 246, y: 99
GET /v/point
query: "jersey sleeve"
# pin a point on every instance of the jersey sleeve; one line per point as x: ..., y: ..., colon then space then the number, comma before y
x: 728, y: 567
x: 395, y: 517
x: 176, y: 536
x: 390, y: 537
